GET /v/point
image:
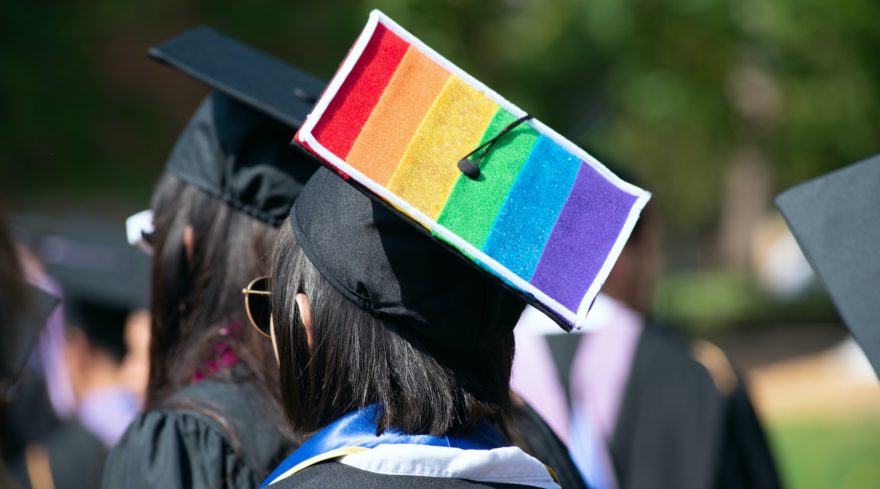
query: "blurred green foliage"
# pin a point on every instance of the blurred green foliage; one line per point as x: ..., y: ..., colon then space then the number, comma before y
x: 665, y: 88
x: 711, y: 302
x: 839, y: 452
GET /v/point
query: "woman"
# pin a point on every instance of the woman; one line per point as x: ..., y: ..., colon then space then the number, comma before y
x: 212, y: 408
x: 394, y: 351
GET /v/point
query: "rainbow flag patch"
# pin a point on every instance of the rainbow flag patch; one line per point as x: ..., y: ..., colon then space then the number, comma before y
x: 543, y: 216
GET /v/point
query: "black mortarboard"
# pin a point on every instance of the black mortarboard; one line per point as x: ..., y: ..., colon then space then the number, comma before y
x: 246, y: 123
x: 493, y: 183
x: 836, y: 221
x: 386, y: 266
x: 20, y: 336
x: 102, y: 278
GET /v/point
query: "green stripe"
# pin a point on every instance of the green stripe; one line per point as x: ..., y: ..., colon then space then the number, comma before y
x: 473, y: 205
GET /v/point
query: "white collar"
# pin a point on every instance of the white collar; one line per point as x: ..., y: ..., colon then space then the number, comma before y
x: 509, y: 465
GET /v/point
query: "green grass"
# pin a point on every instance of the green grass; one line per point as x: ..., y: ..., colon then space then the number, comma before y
x: 828, y: 453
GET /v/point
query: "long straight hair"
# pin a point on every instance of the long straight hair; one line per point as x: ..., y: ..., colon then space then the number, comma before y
x: 194, y: 298
x: 357, y: 360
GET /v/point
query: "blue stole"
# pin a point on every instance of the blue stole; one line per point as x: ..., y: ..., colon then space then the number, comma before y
x: 358, y: 429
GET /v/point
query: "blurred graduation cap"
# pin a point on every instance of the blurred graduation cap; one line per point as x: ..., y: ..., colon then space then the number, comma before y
x: 236, y: 146
x: 20, y: 336
x: 536, y: 214
x: 102, y: 279
x: 836, y: 221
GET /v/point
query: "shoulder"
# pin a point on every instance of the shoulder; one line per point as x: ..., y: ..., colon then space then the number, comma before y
x: 150, y: 431
x: 668, y: 394
x: 205, y: 433
x: 717, y: 364
x: 666, y: 359
x: 172, y: 449
x: 196, y: 414
x: 341, y: 476
x: 671, y: 417
x: 699, y: 361
x: 70, y: 457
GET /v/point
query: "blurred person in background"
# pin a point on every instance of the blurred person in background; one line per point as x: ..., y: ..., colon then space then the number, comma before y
x: 23, y: 313
x: 16, y: 338
x: 668, y: 412
x: 134, y: 371
x: 103, y: 285
x: 213, y: 416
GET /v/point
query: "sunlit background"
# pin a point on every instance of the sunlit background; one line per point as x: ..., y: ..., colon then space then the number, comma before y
x: 714, y: 105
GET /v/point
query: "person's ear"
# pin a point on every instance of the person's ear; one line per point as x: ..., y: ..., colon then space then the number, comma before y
x: 189, y: 241
x: 305, y: 315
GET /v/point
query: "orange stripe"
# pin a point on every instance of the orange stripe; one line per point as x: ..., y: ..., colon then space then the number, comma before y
x: 396, y: 117
x: 452, y: 127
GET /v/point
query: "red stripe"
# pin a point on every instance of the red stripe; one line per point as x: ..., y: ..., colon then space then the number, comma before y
x: 347, y: 113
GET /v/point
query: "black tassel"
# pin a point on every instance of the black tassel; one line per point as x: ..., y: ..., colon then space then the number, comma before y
x: 471, y: 168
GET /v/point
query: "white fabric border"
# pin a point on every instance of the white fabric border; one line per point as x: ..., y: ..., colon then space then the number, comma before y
x: 578, y: 319
x: 136, y: 226
x: 534, y: 322
x: 509, y: 465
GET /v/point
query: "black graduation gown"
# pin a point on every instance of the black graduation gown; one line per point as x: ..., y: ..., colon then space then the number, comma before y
x: 76, y: 457
x: 27, y: 416
x: 212, y: 434
x: 71, y: 457
x: 676, y: 429
x: 40, y: 449
x: 535, y: 437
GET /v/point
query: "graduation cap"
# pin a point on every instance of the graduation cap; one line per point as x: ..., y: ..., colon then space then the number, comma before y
x: 474, y: 172
x: 102, y: 278
x: 20, y: 335
x: 836, y: 221
x: 236, y: 146
x: 24, y: 310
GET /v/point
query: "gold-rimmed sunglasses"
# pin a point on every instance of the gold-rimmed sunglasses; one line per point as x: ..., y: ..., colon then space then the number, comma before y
x: 256, y: 304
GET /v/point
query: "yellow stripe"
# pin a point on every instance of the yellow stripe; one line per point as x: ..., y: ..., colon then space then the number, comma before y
x: 397, y: 116
x: 339, y: 452
x: 451, y: 128
x: 552, y: 474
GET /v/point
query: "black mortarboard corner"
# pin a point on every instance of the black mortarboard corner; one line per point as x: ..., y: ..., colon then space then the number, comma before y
x: 102, y: 278
x: 387, y: 266
x: 836, y: 221
x: 247, y: 123
x: 20, y: 336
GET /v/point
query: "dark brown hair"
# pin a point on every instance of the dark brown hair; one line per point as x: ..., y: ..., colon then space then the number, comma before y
x: 193, y: 300
x: 357, y: 360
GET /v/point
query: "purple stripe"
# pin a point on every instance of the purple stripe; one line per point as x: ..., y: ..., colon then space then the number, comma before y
x: 584, y: 234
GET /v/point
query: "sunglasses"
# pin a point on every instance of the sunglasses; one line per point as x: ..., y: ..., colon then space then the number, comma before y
x: 256, y: 304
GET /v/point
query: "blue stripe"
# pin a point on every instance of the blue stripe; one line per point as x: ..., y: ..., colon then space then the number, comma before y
x: 358, y: 429
x: 526, y: 219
